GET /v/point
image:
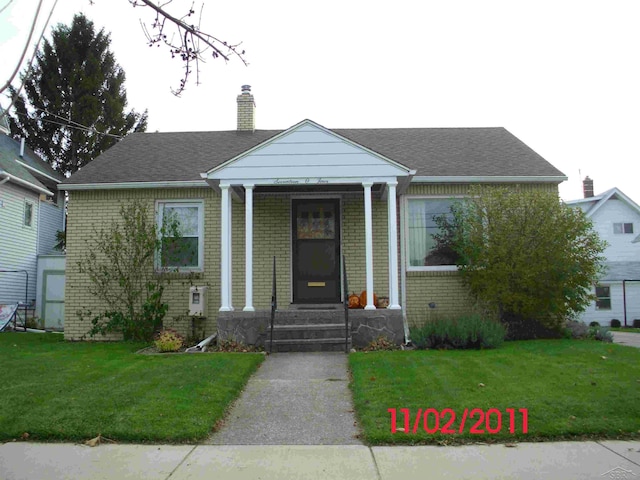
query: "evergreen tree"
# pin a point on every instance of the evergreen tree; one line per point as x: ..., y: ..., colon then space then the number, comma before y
x: 73, y: 106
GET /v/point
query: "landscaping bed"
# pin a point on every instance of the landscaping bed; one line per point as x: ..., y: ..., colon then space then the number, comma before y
x: 56, y: 390
x: 570, y: 389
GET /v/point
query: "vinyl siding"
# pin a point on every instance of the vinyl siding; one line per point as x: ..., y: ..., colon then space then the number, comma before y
x: 621, y: 247
x: 18, y: 244
x: 50, y: 219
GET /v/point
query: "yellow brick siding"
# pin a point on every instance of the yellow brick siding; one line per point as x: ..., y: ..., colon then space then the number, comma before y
x: 89, y: 210
x: 272, y: 236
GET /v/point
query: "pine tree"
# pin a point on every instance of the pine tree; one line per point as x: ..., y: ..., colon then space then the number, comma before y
x: 73, y: 106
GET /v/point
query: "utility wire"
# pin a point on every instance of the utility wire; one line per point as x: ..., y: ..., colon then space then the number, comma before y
x: 29, y: 67
x: 24, y: 52
x: 77, y: 126
x: 6, y: 6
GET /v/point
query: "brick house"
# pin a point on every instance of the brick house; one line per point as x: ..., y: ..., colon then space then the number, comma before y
x: 307, y: 195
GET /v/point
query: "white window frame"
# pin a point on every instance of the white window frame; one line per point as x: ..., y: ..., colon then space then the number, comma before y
x: 199, y: 203
x: 603, y: 298
x: 621, y: 226
x: 24, y: 214
x: 424, y: 268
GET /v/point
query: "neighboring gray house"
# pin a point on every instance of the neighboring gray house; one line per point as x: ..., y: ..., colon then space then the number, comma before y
x: 616, y: 218
x: 31, y: 212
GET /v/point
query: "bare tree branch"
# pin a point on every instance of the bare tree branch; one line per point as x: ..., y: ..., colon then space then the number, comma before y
x: 189, y: 44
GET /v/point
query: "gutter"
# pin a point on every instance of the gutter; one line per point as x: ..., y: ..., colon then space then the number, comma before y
x: 130, y: 185
x: 13, y: 178
x: 489, y: 179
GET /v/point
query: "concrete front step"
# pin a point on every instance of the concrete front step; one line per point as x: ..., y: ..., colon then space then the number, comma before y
x: 308, y: 345
x: 307, y: 317
x: 308, y: 331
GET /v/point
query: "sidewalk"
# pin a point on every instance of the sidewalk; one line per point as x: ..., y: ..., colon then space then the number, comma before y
x: 626, y: 338
x: 560, y: 460
x: 294, y: 399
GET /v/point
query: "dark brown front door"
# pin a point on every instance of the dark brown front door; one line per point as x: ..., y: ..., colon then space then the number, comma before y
x: 316, y: 251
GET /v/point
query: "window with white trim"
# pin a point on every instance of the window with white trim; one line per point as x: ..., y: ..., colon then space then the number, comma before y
x: 184, y: 251
x: 28, y: 213
x: 622, y: 228
x: 603, y: 297
x: 421, y: 228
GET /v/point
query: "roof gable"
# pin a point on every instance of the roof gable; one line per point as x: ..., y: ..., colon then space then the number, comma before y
x: 591, y: 205
x: 307, y: 152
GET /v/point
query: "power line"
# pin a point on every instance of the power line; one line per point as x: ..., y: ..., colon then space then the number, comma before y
x: 76, y: 126
x: 26, y: 47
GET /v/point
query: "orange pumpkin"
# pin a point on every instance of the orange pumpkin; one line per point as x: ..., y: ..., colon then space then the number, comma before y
x: 363, y: 299
x: 354, y: 301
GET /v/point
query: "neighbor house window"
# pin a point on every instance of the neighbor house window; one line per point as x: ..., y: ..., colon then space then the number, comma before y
x: 183, y: 247
x: 623, y: 228
x: 603, y: 297
x: 422, y: 227
x: 28, y: 213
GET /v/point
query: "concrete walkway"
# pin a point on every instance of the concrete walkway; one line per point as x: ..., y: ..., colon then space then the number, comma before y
x: 626, y: 338
x: 294, y: 399
x: 559, y: 460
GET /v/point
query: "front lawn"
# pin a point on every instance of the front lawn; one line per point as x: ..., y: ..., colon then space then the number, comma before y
x: 55, y: 390
x: 625, y: 329
x: 570, y: 390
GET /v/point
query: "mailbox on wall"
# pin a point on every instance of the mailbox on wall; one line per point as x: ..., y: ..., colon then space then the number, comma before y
x: 197, y: 301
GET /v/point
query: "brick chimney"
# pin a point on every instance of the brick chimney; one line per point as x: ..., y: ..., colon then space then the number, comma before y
x: 587, y: 187
x: 246, y: 110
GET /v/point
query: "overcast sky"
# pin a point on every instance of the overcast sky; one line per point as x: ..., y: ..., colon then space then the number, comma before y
x: 563, y: 76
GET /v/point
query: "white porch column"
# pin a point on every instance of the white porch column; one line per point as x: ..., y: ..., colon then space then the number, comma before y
x: 225, y: 261
x: 393, y: 246
x: 368, y: 235
x: 230, y: 236
x: 248, y: 232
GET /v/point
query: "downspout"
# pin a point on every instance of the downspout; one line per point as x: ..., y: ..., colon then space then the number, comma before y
x: 403, y: 271
x: 624, y: 300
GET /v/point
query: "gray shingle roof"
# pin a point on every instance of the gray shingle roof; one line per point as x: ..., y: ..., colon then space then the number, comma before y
x: 618, y: 271
x: 182, y: 156
x: 10, y: 152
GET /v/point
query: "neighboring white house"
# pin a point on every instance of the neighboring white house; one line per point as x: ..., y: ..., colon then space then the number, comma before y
x: 31, y: 213
x: 616, y: 218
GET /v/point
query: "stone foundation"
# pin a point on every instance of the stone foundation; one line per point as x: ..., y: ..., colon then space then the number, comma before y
x: 252, y: 328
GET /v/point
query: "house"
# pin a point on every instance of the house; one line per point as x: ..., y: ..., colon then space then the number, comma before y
x: 31, y: 214
x: 307, y: 195
x: 616, y: 218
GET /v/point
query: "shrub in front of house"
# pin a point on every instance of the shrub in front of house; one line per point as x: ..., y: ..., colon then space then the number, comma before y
x: 594, y: 324
x: 615, y: 323
x: 466, y: 332
x: 168, y: 340
x: 602, y: 334
x: 576, y: 329
x: 636, y: 323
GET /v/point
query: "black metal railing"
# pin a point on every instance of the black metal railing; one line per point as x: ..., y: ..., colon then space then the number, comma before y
x: 345, y: 287
x: 274, y: 304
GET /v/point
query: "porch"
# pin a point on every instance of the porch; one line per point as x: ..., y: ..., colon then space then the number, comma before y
x: 309, y: 197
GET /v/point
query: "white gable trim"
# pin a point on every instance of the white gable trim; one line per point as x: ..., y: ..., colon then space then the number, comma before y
x: 607, y: 196
x: 307, y: 158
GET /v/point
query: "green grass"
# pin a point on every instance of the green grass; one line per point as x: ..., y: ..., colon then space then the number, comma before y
x: 568, y: 389
x: 56, y: 390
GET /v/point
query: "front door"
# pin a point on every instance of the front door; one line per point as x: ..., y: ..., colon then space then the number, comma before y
x: 316, y: 251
